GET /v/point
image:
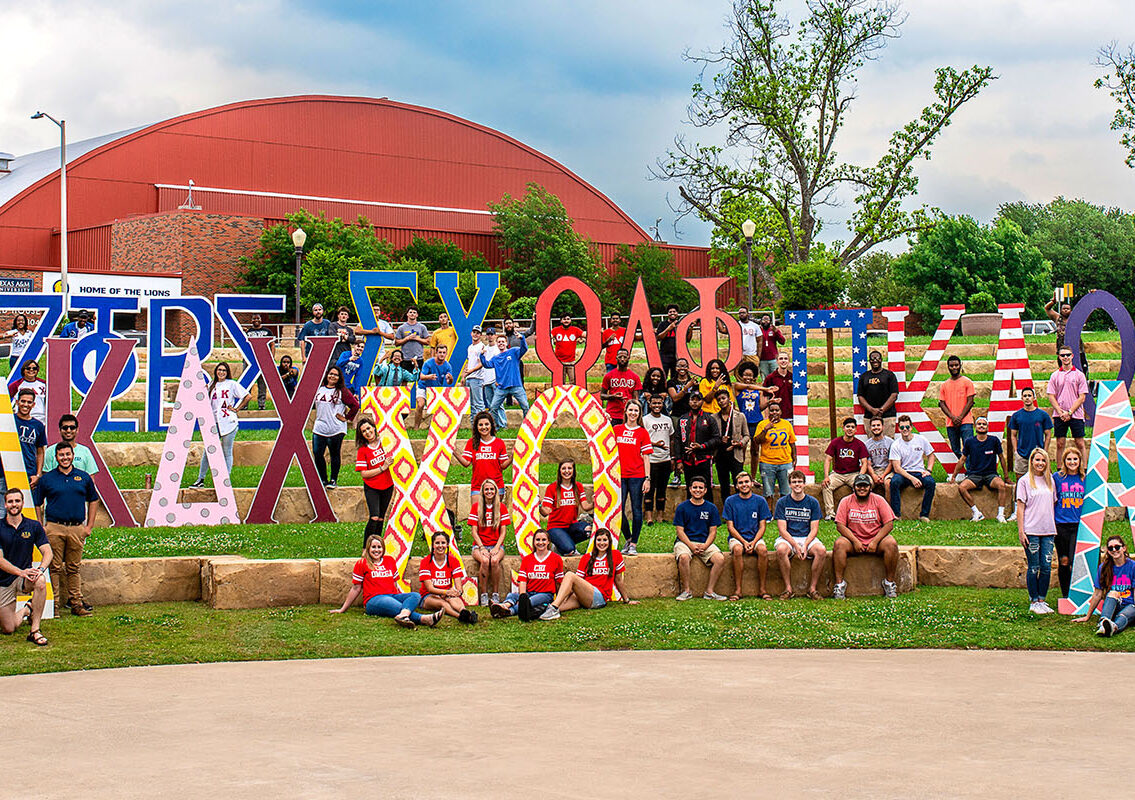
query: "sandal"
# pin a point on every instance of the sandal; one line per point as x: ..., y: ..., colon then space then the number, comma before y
x: 405, y: 622
x: 37, y: 638
x: 787, y: 594
x: 814, y: 595
x: 734, y: 597
x: 433, y: 619
x: 766, y: 596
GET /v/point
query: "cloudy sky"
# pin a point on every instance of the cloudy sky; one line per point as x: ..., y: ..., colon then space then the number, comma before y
x: 599, y: 86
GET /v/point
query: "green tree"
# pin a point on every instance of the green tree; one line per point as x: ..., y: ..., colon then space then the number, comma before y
x: 871, y: 283
x: 820, y: 283
x: 727, y: 244
x: 782, y: 95
x: 958, y: 259
x: 661, y: 282
x: 541, y: 245
x: 433, y: 256
x: 1119, y: 81
x: 1089, y: 246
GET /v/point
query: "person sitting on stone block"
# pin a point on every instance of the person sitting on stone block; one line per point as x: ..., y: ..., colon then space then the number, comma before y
x: 798, y: 525
x: 845, y: 458
x: 695, y: 523
x: 864, y: 522
x: 746, y: 514
x: 908, y: 454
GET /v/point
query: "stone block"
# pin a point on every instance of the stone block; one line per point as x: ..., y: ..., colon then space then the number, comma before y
x: 240, y: 583
x: 979, y: 567
x: 109, y: 581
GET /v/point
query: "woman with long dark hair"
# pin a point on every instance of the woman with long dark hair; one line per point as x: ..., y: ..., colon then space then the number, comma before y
x: 227, y: 398
x: 442, y: 576
x: 716, y: 377
x: 21, y: 335
x: 488, y: 519
x: 376, y: 577
x: 537, y: 582
x: 335, y: 406
x: 373, y: 464
x: 486, y: 453
x: 288, y: 374
x: 1115, y: 581
x: 635, y: 448
x: 563, y: 501
x: 593, y: 584
x: 654, y: 385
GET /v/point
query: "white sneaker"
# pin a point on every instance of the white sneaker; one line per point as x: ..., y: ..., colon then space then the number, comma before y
x: 959, y: 476
x: 1101, y: 630
x: 839, y: 591
x: 1035, y: 607
x: 890, y: 589
x: 485, y: 599
x: 550, y: 613
x: 713, y: 596
x: 1001, y: 518
x: 1045, y: 608
x: 1108, y: 626
x: 683, y: 596
x: 1012, y: 517
x: 496, y: 597
x: 977, y: 516
x: 631, y: 550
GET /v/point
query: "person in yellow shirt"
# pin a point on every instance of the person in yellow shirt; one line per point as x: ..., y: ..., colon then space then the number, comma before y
x: 776, y: 443
x: 445, y: 335
x: 716, y: 377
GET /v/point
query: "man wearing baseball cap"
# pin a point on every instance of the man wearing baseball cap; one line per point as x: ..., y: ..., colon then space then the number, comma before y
x: 864, y: 522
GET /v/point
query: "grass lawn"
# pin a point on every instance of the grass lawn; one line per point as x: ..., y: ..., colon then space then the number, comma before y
x: 178, y: 633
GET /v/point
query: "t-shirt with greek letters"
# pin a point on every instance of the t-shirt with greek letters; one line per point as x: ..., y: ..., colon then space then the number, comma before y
x: 565, y: 341
x: 623, y: 385
x: 488, y: 459
x: 633, y: 444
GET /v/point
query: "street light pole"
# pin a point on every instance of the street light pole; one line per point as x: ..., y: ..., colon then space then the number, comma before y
x: 748, y: 228
x: 298, y: 239
x: 62, y: 123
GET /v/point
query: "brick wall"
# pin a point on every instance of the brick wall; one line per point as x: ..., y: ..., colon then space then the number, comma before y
x: 7, y: 318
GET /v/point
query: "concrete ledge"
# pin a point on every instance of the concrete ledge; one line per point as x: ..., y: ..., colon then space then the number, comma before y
x: 240, y: 583
x: 978, y: 567
x: 142, y: 580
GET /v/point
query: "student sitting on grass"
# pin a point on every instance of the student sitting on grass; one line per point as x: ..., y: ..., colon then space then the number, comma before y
x: 1115, y: 580
x: 376, y: 577
x: 441, y: 575
x: 593, y: 584
x: 538, y: 580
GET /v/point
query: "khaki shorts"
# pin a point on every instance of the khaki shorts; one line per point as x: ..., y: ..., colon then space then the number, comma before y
x: 682, y: 549
x: 8, y: 593
x: 1020, y: 464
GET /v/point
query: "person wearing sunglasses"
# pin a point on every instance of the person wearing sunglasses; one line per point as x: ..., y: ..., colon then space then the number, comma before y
x: 908, y: 452
x: 1067, y: 392
x: 29, y: 379
x: 1115, y: 580
x: 68, y: 431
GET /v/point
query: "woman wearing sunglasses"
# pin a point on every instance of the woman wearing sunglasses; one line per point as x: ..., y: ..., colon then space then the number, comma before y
x: 1115, y: 579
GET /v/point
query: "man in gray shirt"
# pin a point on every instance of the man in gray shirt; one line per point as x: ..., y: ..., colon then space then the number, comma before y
x: 879, y: 456
x: 412, y: 337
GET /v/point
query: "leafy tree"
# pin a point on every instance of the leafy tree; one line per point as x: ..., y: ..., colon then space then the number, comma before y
x: 1089, y: 246
x: 727, y: 244
x: 662, y: 283
x: 871, y: 283
x: 782, y: 95
x: 1120, y: 84
x: 541, y: 245
x: 818, y: 284
x: 436, y: 256
x: 958, y: 259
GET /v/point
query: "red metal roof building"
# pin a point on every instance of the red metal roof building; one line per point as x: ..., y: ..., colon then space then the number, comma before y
x: 410, y: 170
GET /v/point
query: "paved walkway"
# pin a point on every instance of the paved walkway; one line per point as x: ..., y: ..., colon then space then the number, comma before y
x: 897, y: 724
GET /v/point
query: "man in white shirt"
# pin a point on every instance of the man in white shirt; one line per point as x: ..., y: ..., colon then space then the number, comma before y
x: 488, y: 375
x: 909, y: 452
x: 383, y: 330
x: 750, y: 334
x: 475, y: 374
x: 660, y: 428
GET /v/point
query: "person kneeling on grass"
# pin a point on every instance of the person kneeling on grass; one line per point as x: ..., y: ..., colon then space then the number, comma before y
x: 798, y: 523
x: 19, y: 536
x: 864, y: 521
x: 376, y: 577
x: 1115, y: 580
x: 441, y: 575
x: 746, y: 514
x: 695, y: 528
x: 592, y: 585
x: 538, y: 580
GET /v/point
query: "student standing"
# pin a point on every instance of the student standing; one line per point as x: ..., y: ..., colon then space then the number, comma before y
x: 335, y: 406
x: 318, y: 325
x: 486, y: 453
x: 770, y: 337
x: 635, y: 448
x: 33, y: 440
x: 620, y: 384
x: 21, y: 335
x: 373, y: 464
x: 1067, y: 392
x: 666, y: 333
x: 258, y: 331
x: 1028, y: 429
x: 412, y: 337
x: 29, y: 379
x: 1069, y: 498
x: 660, y: 428
x: 70, y: 504
x: 878, y: 391
x: 1036, y: 528
x: 227, y: 398
x: 955, y: 400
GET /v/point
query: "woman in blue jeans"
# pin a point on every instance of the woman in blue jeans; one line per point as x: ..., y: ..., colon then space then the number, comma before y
x: 1114, y: 584
x: 1036, y: 527
x: 537, y: 581
x: 635, y: 447
x: 375, y: 576
x: 563, y: 501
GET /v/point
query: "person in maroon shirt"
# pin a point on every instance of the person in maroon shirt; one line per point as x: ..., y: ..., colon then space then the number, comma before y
x: 845, y: 458
x: 779, y: 384
x: 770, y: 338
x: 619, y: 385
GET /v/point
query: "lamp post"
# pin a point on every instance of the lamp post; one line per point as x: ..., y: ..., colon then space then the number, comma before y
x: 298, y: 238
x: 748, y: 228
x: 62, y: 123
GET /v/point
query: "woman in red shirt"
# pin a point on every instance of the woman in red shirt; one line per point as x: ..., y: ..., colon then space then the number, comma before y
x: 376, y: 577
x: 485, y: 453
x: 374, y: 465
x: 593, y: 584
x: 634, y: 451
x: 441, y: 575
x: 488, y: 519
x: 563, y: 500
x: 538, y: 580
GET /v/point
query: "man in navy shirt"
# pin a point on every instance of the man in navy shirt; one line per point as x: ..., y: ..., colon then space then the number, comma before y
x: 318, y: 325
x: 798, y: 524
x: 746, y: 515
x: 1028, y: 429
x: 70, y: 501
x: 695, y: 523
x: 982, y: 452
x: 33, y: 438
x: 19, y: 536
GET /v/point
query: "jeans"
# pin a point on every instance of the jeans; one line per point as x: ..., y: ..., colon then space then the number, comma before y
x: 391, y: 605
x: 227, y: 449
x: 1038, y: 554
x: 655, y: 499
x: 565, y: 539
x: 320, y: 444
x: 1120, y: 616
x: 898, y: 483
x: 476, y: 389
x: 774, y: 478
x: 261, y: 393
x: 489, y: 390
x: 958, y: 435
x: 632, y: 490
x: 539, y: 601
x: 501, y: 394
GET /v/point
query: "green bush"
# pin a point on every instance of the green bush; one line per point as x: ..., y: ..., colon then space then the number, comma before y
x: 820, y: 283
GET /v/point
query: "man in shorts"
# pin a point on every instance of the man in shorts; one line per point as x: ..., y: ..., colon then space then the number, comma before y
x: 864, y: 522
x: 19, y: 536
x: 982, y: 452
x: 798, y: 523
x: 696, y: 523
x: 879, y: 456
x: 746, y: 514
x: 1067, y: 392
